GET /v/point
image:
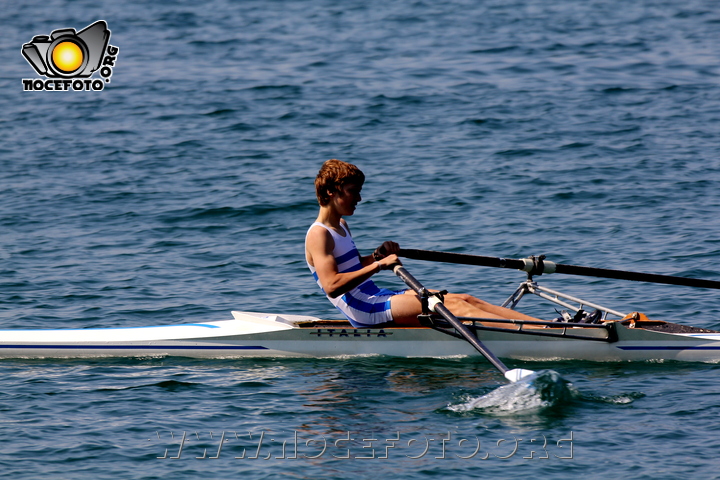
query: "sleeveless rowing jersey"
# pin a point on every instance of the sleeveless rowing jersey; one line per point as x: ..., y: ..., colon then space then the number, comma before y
x: 365, y: 305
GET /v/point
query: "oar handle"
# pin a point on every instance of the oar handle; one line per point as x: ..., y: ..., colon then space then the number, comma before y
x: 439, y: 308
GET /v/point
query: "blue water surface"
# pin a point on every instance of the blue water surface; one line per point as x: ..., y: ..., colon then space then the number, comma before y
x: 585, y: 131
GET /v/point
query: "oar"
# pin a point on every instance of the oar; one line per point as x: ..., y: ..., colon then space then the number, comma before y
x: 436, y: 305
x: 538, y: 266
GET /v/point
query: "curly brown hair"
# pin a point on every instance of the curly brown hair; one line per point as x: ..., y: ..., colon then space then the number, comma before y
x: 334, y: 175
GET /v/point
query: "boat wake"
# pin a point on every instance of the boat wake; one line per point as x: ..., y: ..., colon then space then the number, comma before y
x: 541, y: 390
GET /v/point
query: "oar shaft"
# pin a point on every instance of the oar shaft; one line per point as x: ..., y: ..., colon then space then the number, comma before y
x: 461, y: 258
x: 635, y: 276
x: 443, y: 311
x: 524, y: 264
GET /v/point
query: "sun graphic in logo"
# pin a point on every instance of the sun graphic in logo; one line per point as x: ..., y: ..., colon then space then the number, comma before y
x: 67, y: 56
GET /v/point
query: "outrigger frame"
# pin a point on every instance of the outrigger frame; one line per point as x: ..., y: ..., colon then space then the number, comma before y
x: 562, y: 299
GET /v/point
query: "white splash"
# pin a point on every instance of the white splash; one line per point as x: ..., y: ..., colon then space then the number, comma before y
x: 543, y: 389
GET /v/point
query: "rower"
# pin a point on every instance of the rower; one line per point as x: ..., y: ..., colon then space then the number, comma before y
x: 344, y: 275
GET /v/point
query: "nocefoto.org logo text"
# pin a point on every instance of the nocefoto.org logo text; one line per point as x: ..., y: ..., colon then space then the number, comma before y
x: 67, y: 59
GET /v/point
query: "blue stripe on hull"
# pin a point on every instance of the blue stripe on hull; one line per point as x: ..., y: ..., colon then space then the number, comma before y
x: 141, y: 347
x: 669, y: 348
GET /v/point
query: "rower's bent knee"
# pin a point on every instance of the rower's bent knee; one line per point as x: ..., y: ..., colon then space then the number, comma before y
x: 466, y: 298
x: 457, y: 296
x: 456, y: 300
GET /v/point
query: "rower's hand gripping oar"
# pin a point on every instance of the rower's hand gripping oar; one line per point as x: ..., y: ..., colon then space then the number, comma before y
x: 436, y: 305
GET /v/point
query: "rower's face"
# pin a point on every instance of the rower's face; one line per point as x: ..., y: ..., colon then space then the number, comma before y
x: 349, y: 197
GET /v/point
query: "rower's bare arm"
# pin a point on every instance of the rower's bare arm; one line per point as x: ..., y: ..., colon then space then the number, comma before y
x: 320, y: 246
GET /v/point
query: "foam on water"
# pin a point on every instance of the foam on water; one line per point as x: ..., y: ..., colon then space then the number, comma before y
x: 543, y: 389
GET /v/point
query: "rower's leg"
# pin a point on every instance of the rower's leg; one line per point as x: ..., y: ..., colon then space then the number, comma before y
x: 462, y: 306
x: 406, y: 308
x: 495, y: 310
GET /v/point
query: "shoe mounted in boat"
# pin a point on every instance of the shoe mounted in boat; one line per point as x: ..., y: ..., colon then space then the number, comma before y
x: 594, y: 317
x: 564, y: 317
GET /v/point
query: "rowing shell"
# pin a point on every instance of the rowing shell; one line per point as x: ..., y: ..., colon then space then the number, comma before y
x: 265, y: 335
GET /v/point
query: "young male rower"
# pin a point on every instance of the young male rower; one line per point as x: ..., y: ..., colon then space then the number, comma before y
x: 344, y: 275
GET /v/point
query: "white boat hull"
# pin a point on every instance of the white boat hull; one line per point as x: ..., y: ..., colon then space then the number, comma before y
x: 262, y: 335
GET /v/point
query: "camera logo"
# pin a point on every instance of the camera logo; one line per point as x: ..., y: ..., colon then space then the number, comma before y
x: 68, y: 58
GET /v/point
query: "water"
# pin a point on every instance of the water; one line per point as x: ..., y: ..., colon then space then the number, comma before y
x: 586, y: 131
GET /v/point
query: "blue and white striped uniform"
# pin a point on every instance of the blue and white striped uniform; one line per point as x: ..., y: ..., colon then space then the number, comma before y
x: 367, y: 304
